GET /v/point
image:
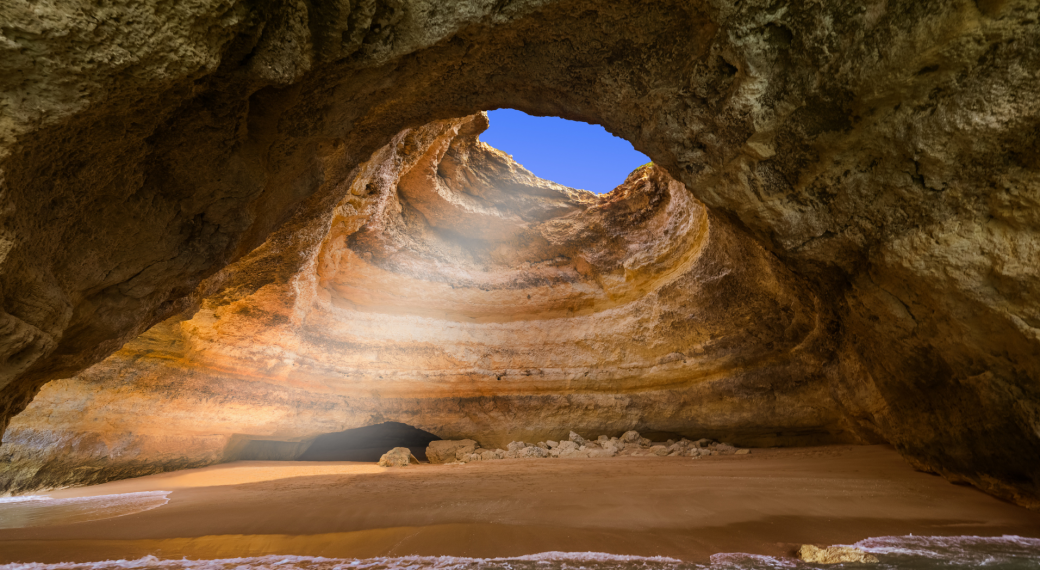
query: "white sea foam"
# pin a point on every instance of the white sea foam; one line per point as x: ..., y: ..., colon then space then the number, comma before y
x: 23, y: 499
x: 742, y: 560
x: 37, y: 510
x: 896, y: 553
x: 554, y: 560
x: 965, y: 550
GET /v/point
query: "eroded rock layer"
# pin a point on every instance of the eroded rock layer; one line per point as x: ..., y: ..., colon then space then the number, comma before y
x: 454, y: 291
x: 884, y: 151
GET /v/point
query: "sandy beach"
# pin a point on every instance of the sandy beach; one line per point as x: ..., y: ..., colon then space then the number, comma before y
x: 768, y: 502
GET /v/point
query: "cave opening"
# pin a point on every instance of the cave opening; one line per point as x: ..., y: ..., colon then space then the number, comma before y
x: 365, y: 444
x: 571, y: 153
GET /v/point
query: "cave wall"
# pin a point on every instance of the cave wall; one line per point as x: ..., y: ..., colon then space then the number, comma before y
x: 453, y: 291
x: 884, y: 151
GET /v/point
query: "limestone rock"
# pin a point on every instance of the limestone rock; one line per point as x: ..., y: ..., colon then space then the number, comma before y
x: 630, y: 436
x: 567, y: 446
x: 725, y: 449
x: 577, y: 438
x: 835, y: 555
x: 446, y: 451
x: 398, y: 457
x: 533, y: 452
x: 489, y: 455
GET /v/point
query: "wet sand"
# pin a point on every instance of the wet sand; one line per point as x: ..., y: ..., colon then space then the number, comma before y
x: 768, y: 502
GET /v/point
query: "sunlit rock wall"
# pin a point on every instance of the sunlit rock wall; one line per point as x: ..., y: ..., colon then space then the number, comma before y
x: 454, y: 291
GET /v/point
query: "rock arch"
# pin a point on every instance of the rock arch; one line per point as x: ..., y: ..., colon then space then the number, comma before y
x: 883, y: 152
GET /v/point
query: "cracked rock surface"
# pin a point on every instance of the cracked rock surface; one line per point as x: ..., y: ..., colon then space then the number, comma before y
x: 882, y: 153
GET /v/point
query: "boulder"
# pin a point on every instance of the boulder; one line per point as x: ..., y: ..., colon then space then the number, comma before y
x: 631, y: 436
x: 567, y: 446
x: 398, y: 457
x: 659, y: 450
x: 577, y: 439
x: 516, y: 445
x: 533, y: 452
x: 835, y: 555
x: 448, y: 450
x: 725, y: 449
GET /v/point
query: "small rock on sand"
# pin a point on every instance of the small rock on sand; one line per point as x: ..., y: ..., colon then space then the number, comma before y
x: 835, y: 555
x: 398, y: 457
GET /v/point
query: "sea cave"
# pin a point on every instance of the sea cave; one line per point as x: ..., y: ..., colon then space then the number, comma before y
x: 269, y: 295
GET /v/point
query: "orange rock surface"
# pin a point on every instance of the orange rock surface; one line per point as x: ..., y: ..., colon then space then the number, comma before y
x: 454, y: 291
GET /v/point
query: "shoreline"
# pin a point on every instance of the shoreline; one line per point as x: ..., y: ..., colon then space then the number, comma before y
x: 768, y: 502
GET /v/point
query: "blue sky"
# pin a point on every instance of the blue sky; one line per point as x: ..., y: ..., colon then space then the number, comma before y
x: 571, y: 153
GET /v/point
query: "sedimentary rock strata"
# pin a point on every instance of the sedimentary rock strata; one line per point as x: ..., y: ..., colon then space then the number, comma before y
x: 453, y: 291
x: 883, y: 151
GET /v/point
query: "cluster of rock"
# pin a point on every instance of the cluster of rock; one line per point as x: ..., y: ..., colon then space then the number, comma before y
x: 631, y: 443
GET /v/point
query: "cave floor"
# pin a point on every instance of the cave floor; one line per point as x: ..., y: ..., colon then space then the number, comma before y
x: 768, y: 502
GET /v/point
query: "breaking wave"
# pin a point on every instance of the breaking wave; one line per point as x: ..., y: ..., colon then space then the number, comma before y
x: 895, y: 553
x: 38, y: 510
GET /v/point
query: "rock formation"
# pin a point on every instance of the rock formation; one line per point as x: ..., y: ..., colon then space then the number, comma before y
x: 454, y: 291
x: 885, y: 152
x: 835, y: 555
x: 398, y: 457
x: 629, y: 444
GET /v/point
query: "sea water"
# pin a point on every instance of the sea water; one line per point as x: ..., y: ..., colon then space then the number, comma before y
x: 38, y: 510
x: 902, y: 553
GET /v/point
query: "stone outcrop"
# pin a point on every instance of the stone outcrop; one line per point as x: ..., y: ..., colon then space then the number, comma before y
x: 884, y: 152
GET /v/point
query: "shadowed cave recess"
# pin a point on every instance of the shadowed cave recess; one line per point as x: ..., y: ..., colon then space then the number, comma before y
x: 274, y: 221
